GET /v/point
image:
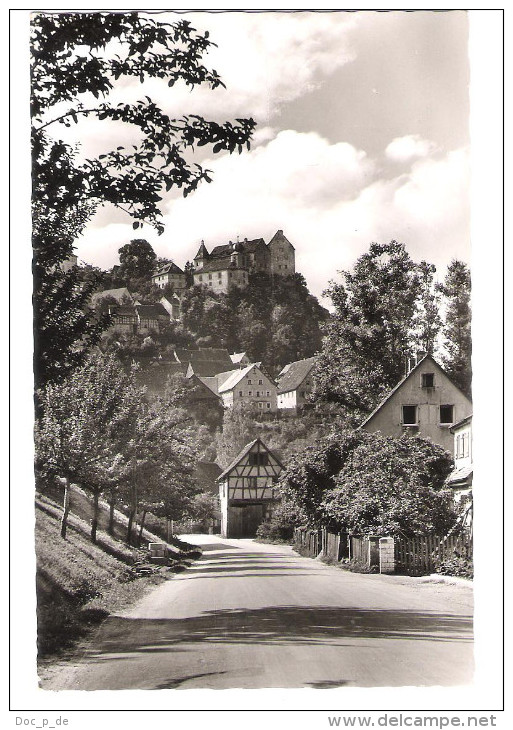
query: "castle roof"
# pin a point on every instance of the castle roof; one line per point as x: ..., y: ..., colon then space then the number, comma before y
x: 245, y: 246
x: 279, y: 237
x: 221, y: 264
x: 294, y: 374
x: 202, y: 252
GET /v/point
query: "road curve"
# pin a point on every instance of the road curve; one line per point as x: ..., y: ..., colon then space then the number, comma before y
x: 249, y: 615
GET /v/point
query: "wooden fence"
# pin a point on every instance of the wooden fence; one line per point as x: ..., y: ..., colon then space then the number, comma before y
x: 414, y: 556
x: 334, y: 544
x: 308, y: 542
x: 420, y: 555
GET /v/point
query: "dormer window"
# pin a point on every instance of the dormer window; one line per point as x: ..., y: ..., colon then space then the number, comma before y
x: 428, y: 380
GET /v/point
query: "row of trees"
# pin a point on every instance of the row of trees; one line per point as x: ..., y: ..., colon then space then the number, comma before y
x: 98, y: 431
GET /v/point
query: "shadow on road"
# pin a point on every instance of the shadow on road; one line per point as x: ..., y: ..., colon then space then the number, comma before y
x: 278, y: 625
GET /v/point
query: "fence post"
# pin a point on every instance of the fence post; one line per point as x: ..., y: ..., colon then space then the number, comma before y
x: 386, y: 555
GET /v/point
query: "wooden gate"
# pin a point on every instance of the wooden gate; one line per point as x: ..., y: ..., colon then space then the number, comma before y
x: 243, y: 520
x: 365, y: 550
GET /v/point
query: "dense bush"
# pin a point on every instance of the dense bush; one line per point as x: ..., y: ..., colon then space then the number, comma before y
x: 280, y: 528
x: 371, y: 484
x: 457, y: 566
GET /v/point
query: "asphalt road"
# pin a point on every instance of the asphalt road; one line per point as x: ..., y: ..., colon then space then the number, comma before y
x: 249, y: 615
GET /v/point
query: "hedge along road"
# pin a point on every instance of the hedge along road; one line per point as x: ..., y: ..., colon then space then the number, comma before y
x: 249, y: 615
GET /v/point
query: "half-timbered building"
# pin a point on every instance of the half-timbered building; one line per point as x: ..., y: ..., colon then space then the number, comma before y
x: 247, y: 490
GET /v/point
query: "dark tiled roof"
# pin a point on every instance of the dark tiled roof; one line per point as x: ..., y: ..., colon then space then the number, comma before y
x: 293, y: 374
x: 170, y: 268
x: 204, y: 353
x: 151, y: 311
x: 124, y: 310
x: 206, y: 361
x: 206, y: 368
x: 210, y: 382
x: 243, y: 246
x: 221, y: 264
x: 161, y: 310
x: 154, y: 377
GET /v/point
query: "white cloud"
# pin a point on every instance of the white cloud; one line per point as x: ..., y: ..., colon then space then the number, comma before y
x: 403, y: 149
x: 327, y: 199
x: 265, y: 60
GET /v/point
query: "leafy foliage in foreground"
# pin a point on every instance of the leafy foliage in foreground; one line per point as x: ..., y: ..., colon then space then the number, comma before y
x: 72, y: 61
x: 370, y: 484
x: 457, y: 566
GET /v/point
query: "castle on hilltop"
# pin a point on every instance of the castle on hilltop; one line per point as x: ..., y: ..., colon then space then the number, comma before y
x: 230, y: 264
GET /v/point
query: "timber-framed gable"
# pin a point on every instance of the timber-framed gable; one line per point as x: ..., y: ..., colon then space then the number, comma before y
x: 247, y: 490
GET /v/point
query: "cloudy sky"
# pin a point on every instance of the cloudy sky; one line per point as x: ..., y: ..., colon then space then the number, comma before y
x: 362, y: 136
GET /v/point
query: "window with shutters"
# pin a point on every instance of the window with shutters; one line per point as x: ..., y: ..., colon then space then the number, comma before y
x: 409, y: 415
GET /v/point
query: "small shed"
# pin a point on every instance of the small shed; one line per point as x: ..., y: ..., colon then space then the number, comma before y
x: 247, y: 490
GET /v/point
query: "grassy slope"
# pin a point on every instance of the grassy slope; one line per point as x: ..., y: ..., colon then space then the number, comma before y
x: 79, y: 583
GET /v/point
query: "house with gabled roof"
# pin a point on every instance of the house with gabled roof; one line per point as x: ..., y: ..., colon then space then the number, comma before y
x: 172, y: 306
x: 121, y: 295
x: 172, y: 274
x: 247, y: 490
x: 425, y: 402
x: 248, y: 385
x: 295, y: 384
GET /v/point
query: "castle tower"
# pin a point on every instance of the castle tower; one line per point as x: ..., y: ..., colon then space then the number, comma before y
x: 201, y: 257
x: 283, y: 255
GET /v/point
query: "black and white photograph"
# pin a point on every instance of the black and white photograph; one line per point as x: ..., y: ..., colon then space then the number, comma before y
x: 258, y: 308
